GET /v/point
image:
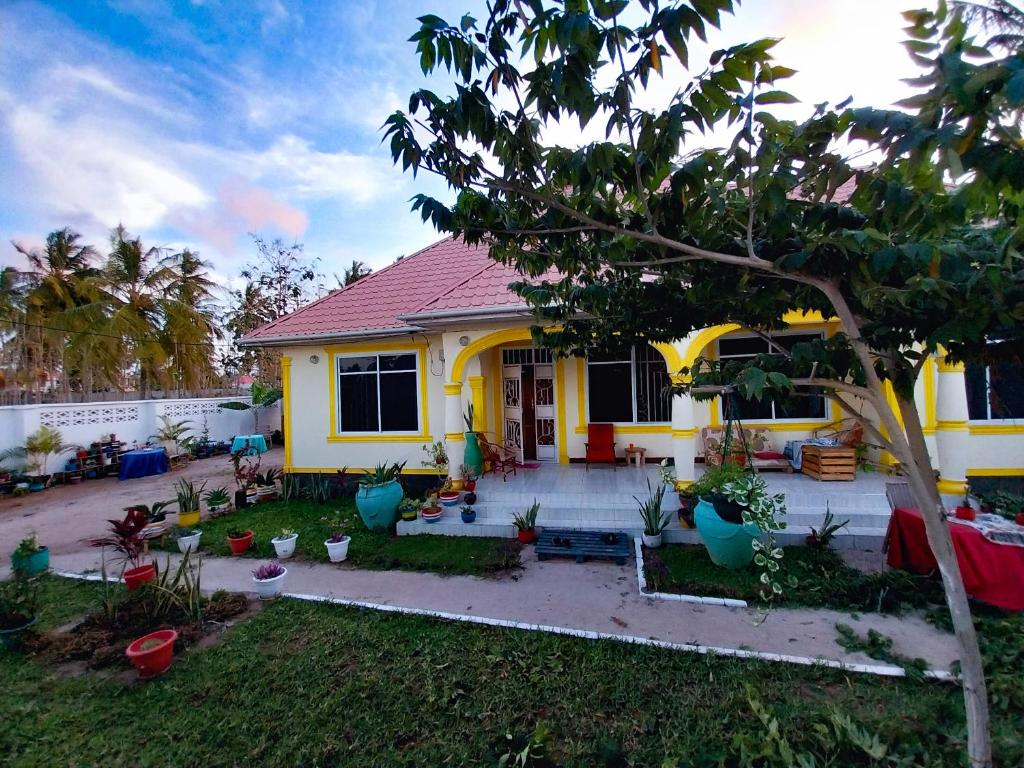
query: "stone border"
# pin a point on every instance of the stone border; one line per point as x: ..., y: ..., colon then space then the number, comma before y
x: 641, y: 580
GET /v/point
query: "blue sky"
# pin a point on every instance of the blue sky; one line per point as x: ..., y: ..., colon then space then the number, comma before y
x: 195, y: 122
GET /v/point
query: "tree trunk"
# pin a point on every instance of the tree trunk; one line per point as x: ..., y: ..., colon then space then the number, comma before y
x: 972, y: 673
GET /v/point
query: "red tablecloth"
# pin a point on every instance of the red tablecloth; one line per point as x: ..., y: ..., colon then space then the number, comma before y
x: 992, y: 573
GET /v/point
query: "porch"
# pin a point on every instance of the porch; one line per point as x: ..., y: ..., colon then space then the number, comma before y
x: 570, y: 496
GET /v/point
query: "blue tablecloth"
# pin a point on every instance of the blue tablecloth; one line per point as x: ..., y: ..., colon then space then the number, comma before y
x: 255, y: 444
x: 142, y: 463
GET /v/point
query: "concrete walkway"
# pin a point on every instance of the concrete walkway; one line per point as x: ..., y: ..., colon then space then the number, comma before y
x: 592, y: 599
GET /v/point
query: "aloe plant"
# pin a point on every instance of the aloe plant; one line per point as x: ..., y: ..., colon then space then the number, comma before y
x: 527, y: 520
x: 217, y: 497
x: 381, y: 474
x: 655, y: 520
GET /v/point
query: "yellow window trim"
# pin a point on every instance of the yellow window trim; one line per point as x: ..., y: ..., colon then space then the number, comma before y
x: 353, y: 470
x: 634, y: 429
x: 996, y: 429
x: 995, y: 472
x: 420, y: 348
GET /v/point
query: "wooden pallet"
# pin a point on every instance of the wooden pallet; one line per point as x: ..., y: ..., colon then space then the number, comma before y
x: 829, y: 463
x: 583, y: 544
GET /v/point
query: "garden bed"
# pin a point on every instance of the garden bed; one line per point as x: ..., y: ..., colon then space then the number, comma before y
x: 822, y: 580
x: 450, y: 555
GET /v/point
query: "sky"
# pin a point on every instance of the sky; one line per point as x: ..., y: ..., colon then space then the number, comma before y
x: 196, y: 122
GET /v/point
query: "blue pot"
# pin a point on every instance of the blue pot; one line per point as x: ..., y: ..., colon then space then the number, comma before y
x: 729, y: 545
x: 378, y: 504
x: 31, y: 565
x: 469, y: 517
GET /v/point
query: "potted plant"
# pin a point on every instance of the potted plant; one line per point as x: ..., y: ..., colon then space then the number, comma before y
x: 431, y: 511
x: 266, y: 484
x: 473, y: 457
x: 379, y: 495
x: 155, y: 512
x: 30, y: 558
x: 284, y: 543
x: 269, y: 580
x: 469, y: 477
x: 188, y: 540
x: 18, y: 602
x: 239, y: 541
x: 152, y: 654
x: 655, y: 519
x: 526, y: 524
x: 469, y: 498
x: 821, y: 538
x: 171, y: 434
x: 245, y: 469
x: 734, y: 513
x: 337, y: 546
x: 448, y: 496
x: 468, y: 514
x: 37, y: 450
x: 126, y: 539
x: 217, y: 501
x: 964, y: 511
x: 188, y: 502
x: 408, y: 508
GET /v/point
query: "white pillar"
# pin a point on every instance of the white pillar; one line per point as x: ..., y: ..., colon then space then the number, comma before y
x: 952, y: 439
x: 454, y: 439
x: 684, y: 437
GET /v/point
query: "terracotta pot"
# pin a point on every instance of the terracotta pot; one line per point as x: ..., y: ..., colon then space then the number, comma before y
x: 156, y: 657
x: 469, y: 485
x: 241, y: 545
x: 965, y: 513
x: 528, y: 536
x: 136, y: 577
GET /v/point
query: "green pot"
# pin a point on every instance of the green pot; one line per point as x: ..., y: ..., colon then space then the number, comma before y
x: 378, y: 504
x: 729, y: 545
x: 31, y: 565
x: 473, y: 457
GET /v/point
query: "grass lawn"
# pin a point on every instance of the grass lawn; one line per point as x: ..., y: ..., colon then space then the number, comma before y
x: 310, y: 684
x: 439, y: 554
x: 823, y: 580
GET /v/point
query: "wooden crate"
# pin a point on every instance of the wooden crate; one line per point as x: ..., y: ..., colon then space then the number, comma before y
x: 826, y: 463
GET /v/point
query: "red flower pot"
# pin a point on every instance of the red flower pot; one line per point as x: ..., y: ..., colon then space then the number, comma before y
x: 241, y: 546
x: 1020, y: 518
x: 136, y: 577
x: 152, y: 654
x: 965, y: 513
x: 527, y: 537
x: 470, y: 485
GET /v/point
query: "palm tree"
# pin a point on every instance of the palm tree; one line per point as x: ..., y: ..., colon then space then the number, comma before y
x: 262, y: 396
x: 354, y: 273
x: 1002, y: 17
x: 190, y: 329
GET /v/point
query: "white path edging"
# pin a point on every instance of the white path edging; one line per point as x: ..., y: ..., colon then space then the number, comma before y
x: 641, y: 581
x: 883, y: 670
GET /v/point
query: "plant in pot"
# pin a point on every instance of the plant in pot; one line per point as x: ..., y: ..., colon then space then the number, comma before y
x: 284, y: 543
x: 171, y: 434
x: 379, y: 495
x: 188, y: 540
x: 39, y: 446
x: 964, y: 510
x: 448, y: 496
x: 821, y: 538
x: 127, y: 541
x: 189, y: 496
x: 473, y: 456
x: 655, y: 519
x: 337, y: 544
x: 269, y: 580
x: 239, y: 541
x: 155, y: 512
x: 266, y: 484
x: 469, y: 477
x: 408, y: 508
x: 468, y: 514
x: 245, y: 469
x: 19, y: 598
x: 431, y: 511
x: 526, y: 523
x: 30, y: 558
x: 218, y: 502
x: 469, y: 498
x: 152, y: 654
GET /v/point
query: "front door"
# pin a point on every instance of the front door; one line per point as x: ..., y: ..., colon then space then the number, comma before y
x: 528, y: 381
x: 544, y: 411
x: 512, y: 390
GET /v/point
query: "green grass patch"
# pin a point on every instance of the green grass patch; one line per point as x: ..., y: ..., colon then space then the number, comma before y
x: 450, y: 555
x: 822, y: 580
x: 311, y: 684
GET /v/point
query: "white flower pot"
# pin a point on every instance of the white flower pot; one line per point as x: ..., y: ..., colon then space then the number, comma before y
x: 266, y: 492
x: 189, y: 543
x: 285, y: 547
x: 217, y: 509
x: 652, y: 542
x: 337, y: 551
x: 268, y: 588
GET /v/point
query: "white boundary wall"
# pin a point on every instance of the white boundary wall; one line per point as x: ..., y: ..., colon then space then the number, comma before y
x: 133, y: 421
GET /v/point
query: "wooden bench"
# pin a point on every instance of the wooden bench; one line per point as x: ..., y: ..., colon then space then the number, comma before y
x: 582, y: 544
x: 829, y: 463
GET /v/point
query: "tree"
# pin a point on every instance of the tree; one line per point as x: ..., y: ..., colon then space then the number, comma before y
x: 654, y: 241
x: 1000, y: 17
x: 261, y: 397
x: 353, y: 274
x: 190, y: 329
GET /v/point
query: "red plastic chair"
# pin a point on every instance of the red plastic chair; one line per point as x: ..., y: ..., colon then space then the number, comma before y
x: 600, y: 445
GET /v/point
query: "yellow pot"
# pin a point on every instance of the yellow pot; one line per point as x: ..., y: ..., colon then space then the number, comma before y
x: 188, y: 519
x: 682, y: 485
x: 456, y: 485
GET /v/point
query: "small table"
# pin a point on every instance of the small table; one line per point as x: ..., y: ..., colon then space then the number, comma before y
x: 636, y: 455
x: 829, y: 463
x: 249, y: 443
x: 142, y: 463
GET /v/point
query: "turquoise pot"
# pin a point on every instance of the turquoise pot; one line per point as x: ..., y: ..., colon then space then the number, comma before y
x: 31, y: 565
x: 729, y: 545
x: 378, y: 504
x: 473, y: 458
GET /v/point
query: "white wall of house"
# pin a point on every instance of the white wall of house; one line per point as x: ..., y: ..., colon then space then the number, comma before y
x: 132, y: 422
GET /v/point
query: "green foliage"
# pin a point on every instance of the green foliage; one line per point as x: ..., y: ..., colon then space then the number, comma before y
x: 174, y: 591
x: 822, y: 537
x: 28, y: 546
x: 381, y: 474
x: 37, y: 450
x: 527, y: 521
x: 217, y: 497
x: 261, y: 397
x: 878, y: 646
x: 172, y: 431
x: 654, y: 519
x: 19, y: 600
x: 188, y: 495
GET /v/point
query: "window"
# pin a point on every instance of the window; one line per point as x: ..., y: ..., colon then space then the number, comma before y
x: 378, y: 393
x: 629, y: 387
x: 995, y: 391
x: 767, y: 408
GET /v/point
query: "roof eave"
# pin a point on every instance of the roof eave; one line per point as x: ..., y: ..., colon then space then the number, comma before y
x: 312, y: 338
x: 476, y: 313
